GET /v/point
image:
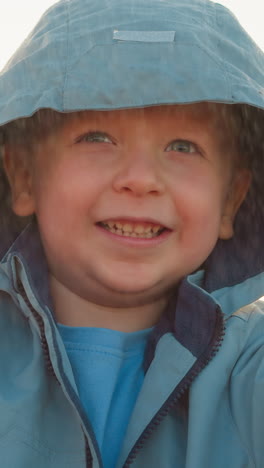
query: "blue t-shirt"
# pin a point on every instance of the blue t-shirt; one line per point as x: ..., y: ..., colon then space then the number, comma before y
x: 107, y: 366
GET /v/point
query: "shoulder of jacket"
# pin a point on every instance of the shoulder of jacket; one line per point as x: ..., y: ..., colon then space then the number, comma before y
x: 246, y: 326
x: 250, y: 312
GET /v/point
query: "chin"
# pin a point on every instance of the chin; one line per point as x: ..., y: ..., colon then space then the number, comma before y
x: 131, y: 285
x: 129, y: 289
x: 131, y: 294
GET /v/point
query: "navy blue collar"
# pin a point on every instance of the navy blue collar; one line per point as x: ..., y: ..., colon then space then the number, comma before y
x: 28, y: 248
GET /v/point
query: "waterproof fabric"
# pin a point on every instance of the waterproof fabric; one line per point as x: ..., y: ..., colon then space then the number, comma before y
x: 185, y: 55
x: 201, y: 404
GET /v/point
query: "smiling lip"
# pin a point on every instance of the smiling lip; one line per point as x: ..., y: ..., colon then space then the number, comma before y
x: 135, y: 231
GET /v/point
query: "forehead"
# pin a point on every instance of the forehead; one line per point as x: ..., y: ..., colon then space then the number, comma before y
x: 189, y: 112
x: 199, y: 117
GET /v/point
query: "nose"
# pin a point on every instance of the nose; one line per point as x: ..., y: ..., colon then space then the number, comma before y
x: 139, y: 175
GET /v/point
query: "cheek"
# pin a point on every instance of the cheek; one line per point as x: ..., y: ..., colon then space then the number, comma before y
x: 67, y: 206
x: 198, y: 206
x: 66, y: 188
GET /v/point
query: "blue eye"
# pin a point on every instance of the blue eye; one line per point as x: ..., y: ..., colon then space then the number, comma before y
x: 94, y: 137
x: 182, y: 146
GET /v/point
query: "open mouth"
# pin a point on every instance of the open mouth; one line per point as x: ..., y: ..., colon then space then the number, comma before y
x: 142, y: 231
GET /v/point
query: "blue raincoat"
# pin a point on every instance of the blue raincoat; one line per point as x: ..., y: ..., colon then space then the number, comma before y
x: 202, y: 401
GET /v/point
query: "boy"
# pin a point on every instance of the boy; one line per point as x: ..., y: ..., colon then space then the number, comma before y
x: 115, y: 295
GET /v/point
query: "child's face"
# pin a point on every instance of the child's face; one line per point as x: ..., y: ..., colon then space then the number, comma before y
x: 158, y: 175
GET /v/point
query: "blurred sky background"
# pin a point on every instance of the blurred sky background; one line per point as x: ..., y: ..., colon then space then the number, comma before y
x: 18, y: 17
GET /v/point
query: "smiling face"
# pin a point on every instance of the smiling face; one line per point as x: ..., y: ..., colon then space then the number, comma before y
x: 129, y: 202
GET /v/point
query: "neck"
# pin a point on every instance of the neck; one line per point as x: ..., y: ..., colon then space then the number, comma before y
x: 75, y: 311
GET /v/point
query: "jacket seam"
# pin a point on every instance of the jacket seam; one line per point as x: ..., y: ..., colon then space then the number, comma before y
x: 178, y: 43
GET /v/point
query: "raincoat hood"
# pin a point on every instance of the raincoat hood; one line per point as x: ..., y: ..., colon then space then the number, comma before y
x: 112, y: 55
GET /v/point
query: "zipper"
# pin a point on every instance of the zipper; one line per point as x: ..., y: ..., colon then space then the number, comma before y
x: 88, y: 454
x: 40, y: 322
x: 48, y: 363
x: 182, y: 387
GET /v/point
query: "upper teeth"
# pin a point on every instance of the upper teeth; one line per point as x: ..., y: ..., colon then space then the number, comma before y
x: 132, y: 230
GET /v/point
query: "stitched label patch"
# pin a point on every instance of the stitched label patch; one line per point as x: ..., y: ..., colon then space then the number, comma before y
x: 144, y: 36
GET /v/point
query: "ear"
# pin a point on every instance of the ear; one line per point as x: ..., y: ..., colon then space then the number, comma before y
x: 239, y: 188
x: 20, y: 179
